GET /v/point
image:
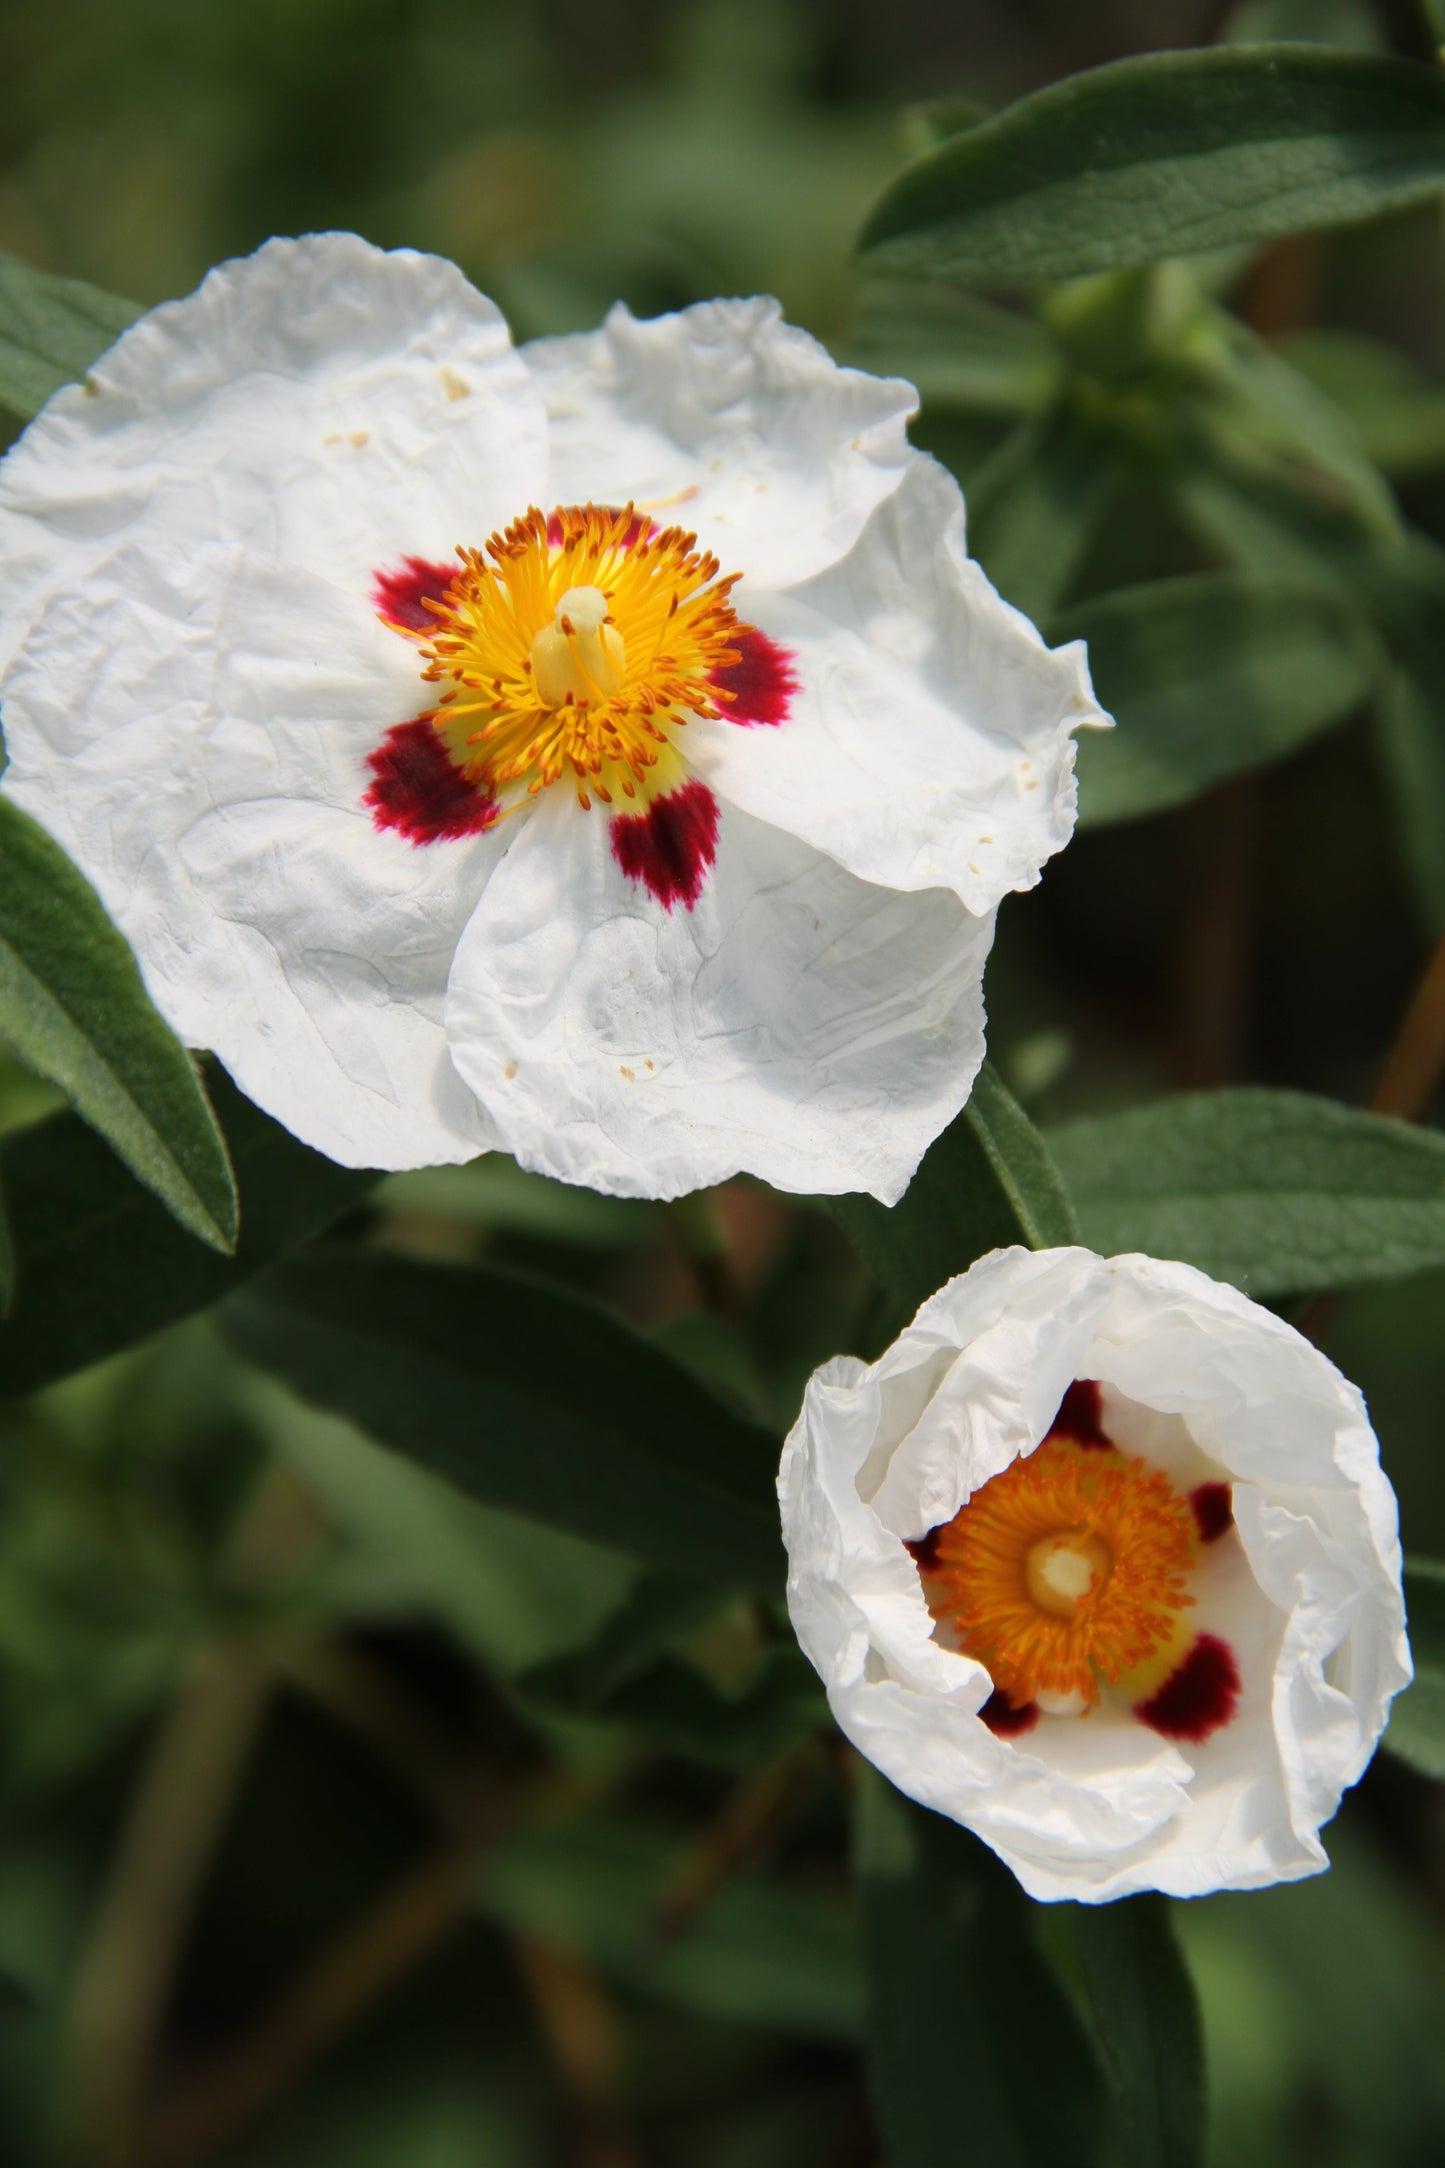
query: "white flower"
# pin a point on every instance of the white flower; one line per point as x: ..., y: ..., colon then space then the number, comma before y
x: 606, y: 751
x: 1099, y: 1560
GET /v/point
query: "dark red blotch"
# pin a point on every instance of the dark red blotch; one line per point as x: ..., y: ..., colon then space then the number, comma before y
x: 1213, y: 1505
x: 1080, y: 1415
x: 1199, y: 1695
x: 670, y: 847
x: 1007, y: 1719
x: 923, y: 1550
x: 403, y: 593
x: 761, y: 682
x: 419, y: 790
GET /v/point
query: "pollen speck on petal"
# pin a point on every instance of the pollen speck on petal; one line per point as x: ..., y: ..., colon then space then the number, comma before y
x: 419, y: 790
x: 671, y: 847
x: 402, y: 593
x: 761, y: 683
x: 1198, y: 1697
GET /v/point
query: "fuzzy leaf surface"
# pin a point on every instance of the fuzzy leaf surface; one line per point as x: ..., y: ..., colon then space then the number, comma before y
x: 1163, y: 155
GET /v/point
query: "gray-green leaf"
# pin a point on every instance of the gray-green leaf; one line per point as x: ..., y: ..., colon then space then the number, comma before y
x: 100, y: 1263
x: 986, y: 1183
x: 1208, y: 677
x: 51, y: 330
x: 1146, y: 2016
x: 7, y: 1261
x: 1163, y: 155
x: 962, y: 2007
x: 1277, y: 1191
x: 529, y: 1397
x: 1417, y: 1718
x: 74, y: 1009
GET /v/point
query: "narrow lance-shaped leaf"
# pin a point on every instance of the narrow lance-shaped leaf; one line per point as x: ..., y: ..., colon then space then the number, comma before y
x: 528, y: 1397
x: 1417, y: 1717
x: 956, y: 349
x: 51, y: 330
x: 987, y: 1182
x: 1208, y: 677
x: 99, y: 1263
x: 1277, y: 1191
x: 74, y: 1009
x: 7, y: 1261
x: 974, y: 2052
x: 1163, y: 155
x: 1146, y: 2017
x: 1035, y: 506
x: 762, y: 1952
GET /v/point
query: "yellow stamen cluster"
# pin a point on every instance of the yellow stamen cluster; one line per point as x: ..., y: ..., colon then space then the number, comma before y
x: 579, y: 656
x: 1067, y: 1569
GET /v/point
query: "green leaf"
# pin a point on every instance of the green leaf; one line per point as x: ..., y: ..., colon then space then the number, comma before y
x: 1417, y: 1717
x: 74, y: 1009
x: 1279, y: 1192
x: 1146, y: 2017
x: 675, y: 1708
x: 1266, y: 419
x: 760, y: 1953
x: 1408, y: 599
x: 529, y: 1397
x: 496, y: 1196
x: 7, y: 1262
x: 51, y: 330
x: 99, y: 1263
x: 514, y: 1594
x: 1396, y: 411
x: 1163, y: 155
x: 974, y: 2052
x: 958, y: 351
x: 1035, y: 504
x: 660, y: 1608
x: 986, y: 1183
x: 1208, y: 677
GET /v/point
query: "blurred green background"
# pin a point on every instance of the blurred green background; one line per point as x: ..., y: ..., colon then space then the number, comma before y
x: 306, y: 1852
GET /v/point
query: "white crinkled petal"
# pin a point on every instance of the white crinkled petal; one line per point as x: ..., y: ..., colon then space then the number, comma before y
x: 323, y: 402
x: 725, y: 419
x: 197, y: 741
x: 929, y: 742
x: 796, y: 1023
x: 1309, y: 1598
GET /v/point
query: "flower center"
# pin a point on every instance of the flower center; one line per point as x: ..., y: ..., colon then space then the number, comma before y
x: 575, y: 646
x: 1066, y: 1570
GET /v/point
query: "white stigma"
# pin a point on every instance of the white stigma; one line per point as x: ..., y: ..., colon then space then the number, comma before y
x: 1067, y: 1573
x: 579, y: 656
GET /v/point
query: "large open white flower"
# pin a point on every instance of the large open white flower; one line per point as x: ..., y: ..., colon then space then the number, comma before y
x: 606, y: 751
x: 1099, y: 1560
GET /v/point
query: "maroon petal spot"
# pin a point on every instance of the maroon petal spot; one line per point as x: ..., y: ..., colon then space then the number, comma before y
x: 403, y: 593
x: 761, y: 682
x: 671, y: 846
x: 923, y: 1550
x: 1080, y: 1416
x: 1213, y: 1510
x: 1198, y: 1696
x: 419, y: 790
x: 1005, y: 1718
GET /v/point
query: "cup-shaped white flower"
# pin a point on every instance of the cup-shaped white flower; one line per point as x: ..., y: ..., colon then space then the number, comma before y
x: 1099, y: 1560
x: 607, y: 751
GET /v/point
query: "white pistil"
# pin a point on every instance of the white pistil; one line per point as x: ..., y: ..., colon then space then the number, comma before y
x: 580, y: 656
